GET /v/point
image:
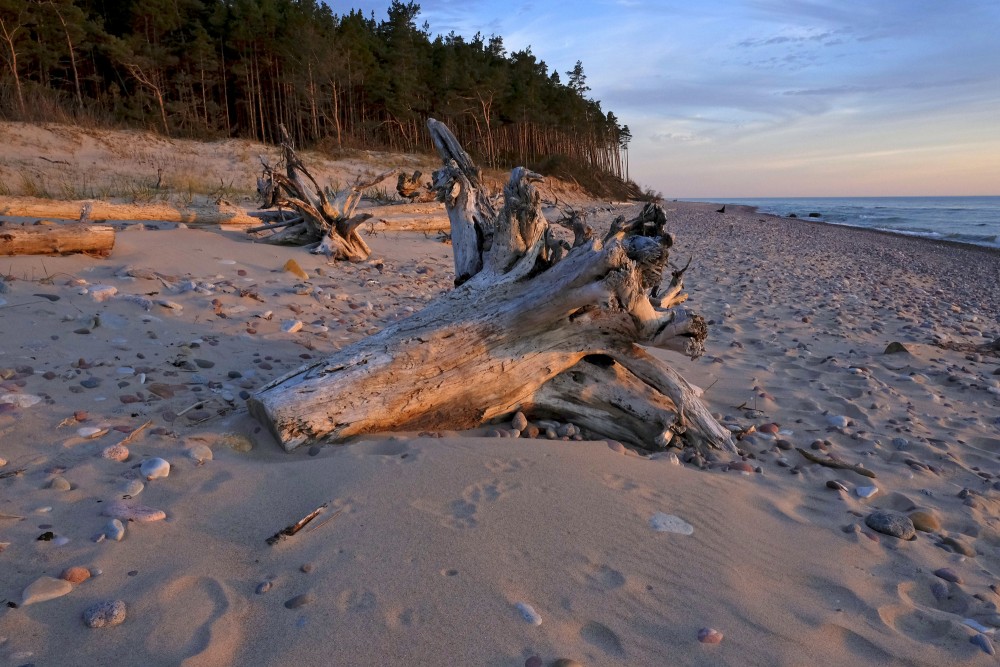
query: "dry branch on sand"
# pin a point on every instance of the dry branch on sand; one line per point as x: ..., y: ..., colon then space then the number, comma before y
x: 536, y: 324
x: 192, y: 215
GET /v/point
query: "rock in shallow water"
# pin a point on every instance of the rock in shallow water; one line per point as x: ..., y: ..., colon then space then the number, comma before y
x: 891, y: 523
x: 105, y: 614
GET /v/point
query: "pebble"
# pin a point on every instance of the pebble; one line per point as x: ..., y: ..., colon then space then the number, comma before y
x: 983, y: 642
x: 264, y: 587
x: 866, y: 491
x: 21, y: 400
x: 115, y: 453
x: 132, y: 487
x: 948, y: 574
x: 519, y: 422
x: 891, y: 523
x: 741, y: 466
x: 154, y: 468
x: 45, y: 588
x: 59, y: 483
x: 837, y: 421
x: 533, y: 661
x: 199, y: 453
x: 617, y: 447
x: 299, y: 601
x: 170, y: 305
x: 668, y: 523
x: 101, y: 293
x: 709, y: 636
x: 137, y: 513
x: 75, y: 574
x: 114, y: 530
x: 105, y: 614
x: 958, y: 545
x: 91, y: 383
x: 291, y: 326
x: 925, y: 521
x: 528, y: 613
x: 836, y: 485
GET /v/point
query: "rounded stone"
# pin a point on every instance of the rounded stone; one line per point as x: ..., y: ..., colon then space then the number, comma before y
x: 115, y: 530
x: 137, y: 513
x: 299, y: 601
x: 132, y: 487
x: 59, y: 483
x: 709, y: 636
x: 958, y: 545
x: 43, y: 589
x: 741, y: 466
x: 519, y: 422
x: 199, y: 453
x: 891, y: 523
x: 836, y: 485
x: 75, y: 574
x: 154, y: 468
x: 105, y: 614
x: 948, y: 574
x: 115, y: 453
x: 925, y: 521
x: 837, y: 421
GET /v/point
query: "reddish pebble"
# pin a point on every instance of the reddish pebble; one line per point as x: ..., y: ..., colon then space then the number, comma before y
x: 115, y: 453
x: 80, y: 416
x: 75, y: 575
x: 709, y: 636
x: 129, y: 398
x: 769, y: 428
x: 741, y: 466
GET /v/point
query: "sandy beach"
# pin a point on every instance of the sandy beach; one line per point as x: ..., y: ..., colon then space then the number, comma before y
x: 454, y: 548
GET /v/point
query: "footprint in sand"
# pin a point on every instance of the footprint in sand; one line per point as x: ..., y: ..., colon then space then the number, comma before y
x: 604, y: 638
x: 463, y: 512
x: 192, y: 621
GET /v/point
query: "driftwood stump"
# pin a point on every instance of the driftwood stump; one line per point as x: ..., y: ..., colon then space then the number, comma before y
x: 547, y: 327
x: 323, y: 219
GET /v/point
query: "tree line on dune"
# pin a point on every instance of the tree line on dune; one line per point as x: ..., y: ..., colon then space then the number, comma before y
x: 242, y: 68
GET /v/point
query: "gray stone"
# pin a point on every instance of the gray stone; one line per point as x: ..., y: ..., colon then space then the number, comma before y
x: 519, y: 422
x: 105, y: 614
x: 115, y: 530
x: 891, y: 523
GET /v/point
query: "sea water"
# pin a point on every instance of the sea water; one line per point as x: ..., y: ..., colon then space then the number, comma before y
x: 974, y: 220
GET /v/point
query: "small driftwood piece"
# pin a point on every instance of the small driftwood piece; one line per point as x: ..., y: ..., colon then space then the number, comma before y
x: 412, y: 188
x: 534, y: 324
x: 831, y: 462
x: 292, y: 529
x: 48, y: 238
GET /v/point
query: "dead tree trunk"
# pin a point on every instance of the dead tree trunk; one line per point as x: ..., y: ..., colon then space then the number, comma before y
x: 413, y: 189
x: 327, y: 220
x: 53, y: 239
x: 534, y: 324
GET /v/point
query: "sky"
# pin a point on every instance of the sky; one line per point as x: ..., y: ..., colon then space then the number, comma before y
x: 773, y: 98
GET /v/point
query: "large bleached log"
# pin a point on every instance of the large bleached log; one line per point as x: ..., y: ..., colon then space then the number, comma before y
x: 531, y: 325
x: 195, y: 215
x: 56, y: 239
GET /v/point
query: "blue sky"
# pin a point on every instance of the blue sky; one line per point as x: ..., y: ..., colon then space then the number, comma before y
x: 743, y: 98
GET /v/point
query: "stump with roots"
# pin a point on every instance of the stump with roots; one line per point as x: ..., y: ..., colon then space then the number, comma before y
x: 548, y: 327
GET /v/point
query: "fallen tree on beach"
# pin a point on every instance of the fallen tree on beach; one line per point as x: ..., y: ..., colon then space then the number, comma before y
x: 536, y: 323
x: 47, y: 238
